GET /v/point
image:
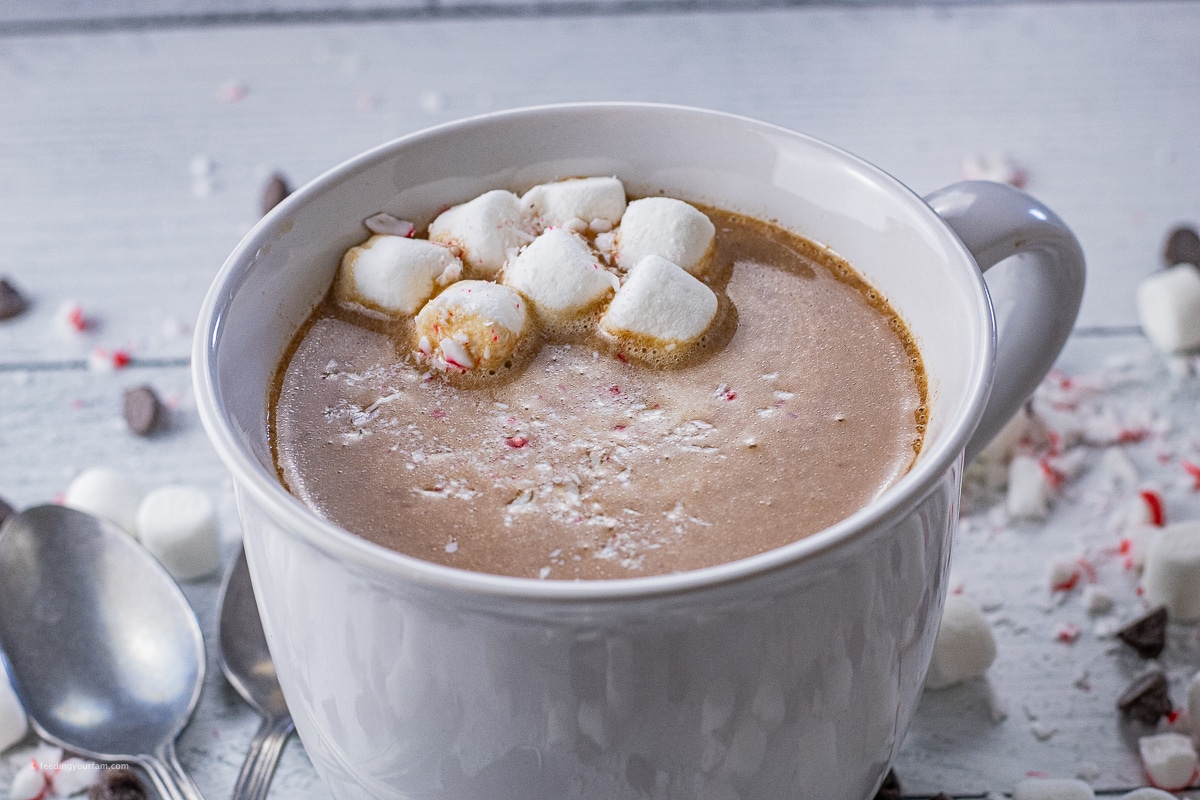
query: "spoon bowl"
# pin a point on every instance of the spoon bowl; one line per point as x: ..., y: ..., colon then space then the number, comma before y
x: 247, y: 665
x: 105, y: 652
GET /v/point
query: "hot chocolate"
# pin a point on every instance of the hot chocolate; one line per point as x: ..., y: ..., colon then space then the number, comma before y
x: 582, y: 456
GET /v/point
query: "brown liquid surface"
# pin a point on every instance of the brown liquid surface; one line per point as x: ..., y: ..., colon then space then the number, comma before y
x: 581, y: 465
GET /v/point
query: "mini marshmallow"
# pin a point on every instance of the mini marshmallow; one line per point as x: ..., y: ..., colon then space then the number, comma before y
x: 29, y: 783
x: 396, y: 274
x: 74, y: 776
x: 1168, y: 308
x: 559, y: 275
x: 964, y: 647
x: 1148, y: 793
x: 485, y: 229
x: 1052, y: 789
x: 178, y: 525
x: 665, y: 227
x: 107, y: 494
x: 471, y: 324
x: 1169, y: 760
x: 661, y: 302
x: 588, y: 199
x: 13, y: 723
x: 1028, y: 491
x: 1172, y: 574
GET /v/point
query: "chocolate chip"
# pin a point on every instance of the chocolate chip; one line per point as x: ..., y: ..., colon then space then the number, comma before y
x: 274, y: 192
x: 1147, y: 634
x: 890, y: 788
x: 12, y: 302
x: 118, y: 784
x: 142, y: 409
x: 1146, y: 699
x: 1183, y: 247
x: 6, y: 510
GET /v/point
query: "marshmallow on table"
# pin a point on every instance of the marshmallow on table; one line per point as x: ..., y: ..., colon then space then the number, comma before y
x: 178, y: 525
x: 29, y: 783
x: 485, y: 229
x: 1052, y: 789
x: 662, y: 303
x: 107, y: 494
x: 1172, y: 572
x: 471, y: 324
x: 74, y: 776
x: 13, y: 723
x: 665, y: 227
x: 1169, y: 760
x: 1028, y: 494
x: 396, y: 274
x: 964, y: 647
x: 1168, y: 307
x: 559, y: 275
x: 587, y: 199
x: 1148, y: 793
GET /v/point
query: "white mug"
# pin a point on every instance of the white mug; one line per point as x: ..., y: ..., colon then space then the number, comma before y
x: 790, y: 674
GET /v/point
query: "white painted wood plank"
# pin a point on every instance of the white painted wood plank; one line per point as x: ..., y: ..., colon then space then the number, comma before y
x: 98, y: 130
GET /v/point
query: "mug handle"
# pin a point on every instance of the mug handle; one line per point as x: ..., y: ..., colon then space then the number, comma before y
x: 1034, y: 298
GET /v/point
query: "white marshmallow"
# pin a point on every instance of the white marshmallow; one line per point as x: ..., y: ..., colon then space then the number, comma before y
x: 178, y: 525
x: 105, y: 493
x: 964, y: 647
x: 1169, y: 760
x: 1172, y: 576
x: 1148, y: 793
x: 1028, y: 491
x: 559, y: 275
x: 1168, y: 307
x: 471, y: 324
x: 485, y: 229
x: 13, y: 723
x: 29, y: 783
x: 665, y: 227
x: 396, y: 274
x: 588, y: 199
x: 1052, y: 789
x: 74, y: 776
x: 661, y: 302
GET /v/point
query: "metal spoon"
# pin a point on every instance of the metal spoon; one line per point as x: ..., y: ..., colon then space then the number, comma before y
x: 105, y: 652
x: 248, y: 666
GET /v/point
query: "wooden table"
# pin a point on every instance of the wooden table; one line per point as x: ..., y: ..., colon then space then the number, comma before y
x: 135, y: 142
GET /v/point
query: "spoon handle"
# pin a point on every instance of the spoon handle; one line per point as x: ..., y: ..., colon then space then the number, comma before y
x: 168, y: 776
x: 259, y: 766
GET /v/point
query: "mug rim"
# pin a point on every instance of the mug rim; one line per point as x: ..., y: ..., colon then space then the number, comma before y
x: 298, y: 520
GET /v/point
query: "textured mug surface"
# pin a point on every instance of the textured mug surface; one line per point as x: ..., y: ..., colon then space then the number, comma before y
x: 791, y: 674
